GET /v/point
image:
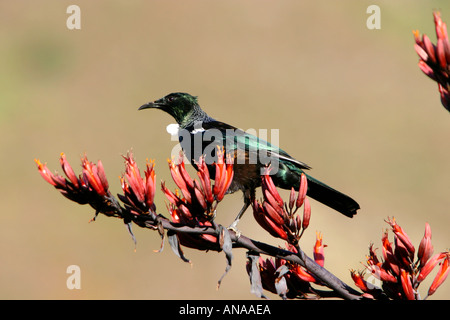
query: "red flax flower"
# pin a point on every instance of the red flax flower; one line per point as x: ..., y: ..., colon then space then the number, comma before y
x: 297, y: 278
x: 369, y: 290
x: 196, y: 205
x: 139, y: 194
x: 425, y: 247
x: 399, y: 272
x: 435, y: 59
x: 94, y: 176
x: 278, y: 217
x: 441, y: 276
x: 319, y: 258
x: 91, y: 187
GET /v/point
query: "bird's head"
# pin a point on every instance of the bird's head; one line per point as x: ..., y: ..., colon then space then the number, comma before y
x: 179, y: 105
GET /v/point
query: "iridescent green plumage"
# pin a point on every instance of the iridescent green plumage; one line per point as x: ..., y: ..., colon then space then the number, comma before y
x: 199, y: 133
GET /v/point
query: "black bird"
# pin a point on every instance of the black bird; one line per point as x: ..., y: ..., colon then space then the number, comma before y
x: 200, y: 134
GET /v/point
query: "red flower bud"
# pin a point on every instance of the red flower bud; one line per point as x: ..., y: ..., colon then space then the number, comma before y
x: 302, y: 190
x: 435, y: 59
x: 306, y: 214
x: 292, y: 199
x: 270, y: 190
x: 275, y: 215
x: 427, y: 70
x: 429, y: 47
x: 179, y: 179
x: 425, y: 248
x: 441, y: 27
x: 68, y: 170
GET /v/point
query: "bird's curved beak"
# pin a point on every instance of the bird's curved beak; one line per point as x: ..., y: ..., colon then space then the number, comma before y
x: 149, y: 105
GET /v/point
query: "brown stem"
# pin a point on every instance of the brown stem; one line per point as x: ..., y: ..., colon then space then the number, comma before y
x: 241, y: 241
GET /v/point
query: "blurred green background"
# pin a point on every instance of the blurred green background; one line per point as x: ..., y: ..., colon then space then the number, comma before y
x: 349, y: 101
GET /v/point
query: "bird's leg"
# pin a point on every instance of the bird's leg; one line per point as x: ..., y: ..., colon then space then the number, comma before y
x: 249, y: 196
x: 233, y: 226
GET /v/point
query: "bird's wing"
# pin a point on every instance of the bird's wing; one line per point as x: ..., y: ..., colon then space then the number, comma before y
x: 241, y: 139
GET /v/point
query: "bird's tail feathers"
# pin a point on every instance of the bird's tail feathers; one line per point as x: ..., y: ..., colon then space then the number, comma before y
x: 332, y: 198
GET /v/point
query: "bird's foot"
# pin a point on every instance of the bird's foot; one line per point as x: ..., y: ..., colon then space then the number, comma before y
x: 234, y: 228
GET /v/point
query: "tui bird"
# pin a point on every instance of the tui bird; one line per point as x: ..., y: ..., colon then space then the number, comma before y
x: 200, y: 134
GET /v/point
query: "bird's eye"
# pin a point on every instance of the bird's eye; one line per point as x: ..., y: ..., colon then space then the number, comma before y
x: 170, y: 99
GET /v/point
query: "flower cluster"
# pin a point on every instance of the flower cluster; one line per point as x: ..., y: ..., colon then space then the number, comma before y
x: 279, y: 218
x: 435, y: 59
x: 91, y: 187
x: 197, y: 203
x: 398, y: 274
x: 192, y: 208
x: 288, y: 279
x: 138, y: 194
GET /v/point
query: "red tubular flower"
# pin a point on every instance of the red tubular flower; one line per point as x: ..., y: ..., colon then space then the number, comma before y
x: 133, y: 175
x: 197, y: 205
x: 201, y: 197
x: 95, y: 176
x: 441, y: 276
x: 270, y: 192
x: 266, y: 222
x: 402, y: 237
x: 370, y: 291
x: 205, y: 183
x: 77, y: 189
x: 358, y: 278
x: 138, y: 194
x: 67, y: 168
x: 174, y: 199
x: 150, y: 185
x: 390, y: 261
x: 298, y: 280
x: 373, y: 259
x: 303, y: 274
x: 224, y: 175
x: 181, y: 178
x: 385, y: 276
x: 381, y: 272
x: 91, y: 187
x: 319, y: 256
x: 55, y: 180
x: 407, y: 285
x: 400, y: 275
x: 435, y: 59
x: 278, y: 217
x: 196, y: 241
x: 298, y: 270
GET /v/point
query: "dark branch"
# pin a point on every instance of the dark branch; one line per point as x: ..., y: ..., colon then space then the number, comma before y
x: 241, y: 241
